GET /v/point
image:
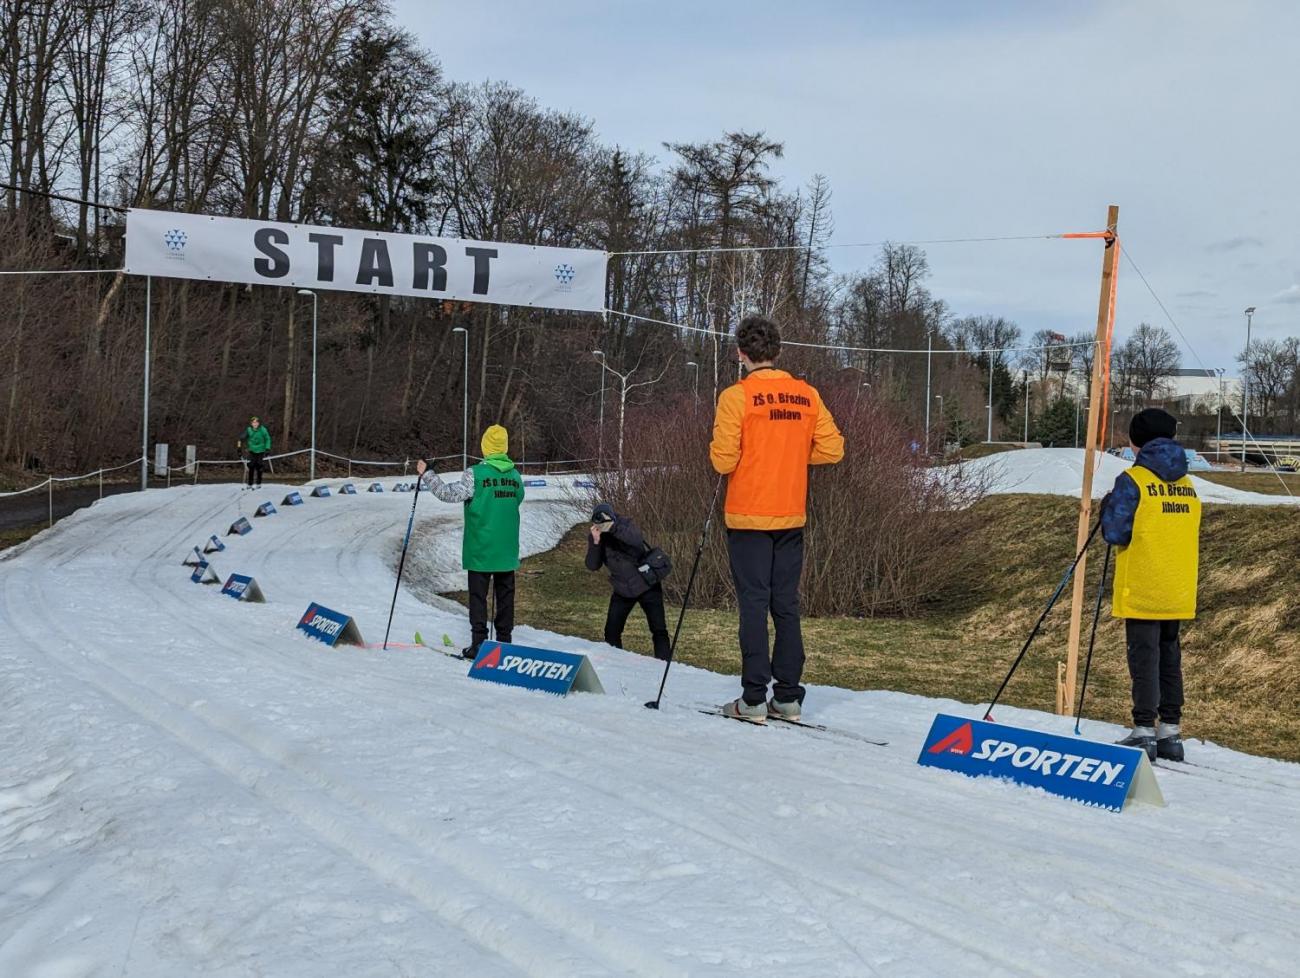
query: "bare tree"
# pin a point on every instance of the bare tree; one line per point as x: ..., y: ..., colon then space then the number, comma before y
x: 1152, y: 358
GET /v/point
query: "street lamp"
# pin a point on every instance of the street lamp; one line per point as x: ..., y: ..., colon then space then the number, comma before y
x: 1078, y: 403
x: 696, y: 368
x: 1245, y: 388
x: 1025, y: 379
x: 311, y: 475
x: 988, y: 439
x: 929, y: 354
x: 464, y: 404
x: 600, y: 450
x: 1218, y: 437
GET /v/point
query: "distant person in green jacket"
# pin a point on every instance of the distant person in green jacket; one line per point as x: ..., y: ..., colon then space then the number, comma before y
x: 492, y: 492
x: 257, y: 441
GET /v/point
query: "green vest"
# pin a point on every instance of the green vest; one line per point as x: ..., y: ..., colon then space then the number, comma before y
x: 258, y: 440
x: 491, y: 541
x: 1155, y: 575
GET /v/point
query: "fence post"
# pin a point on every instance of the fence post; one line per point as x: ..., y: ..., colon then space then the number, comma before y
x: 196, y: 471
x: 406, y: 463
x: 101, y: 483
x: 349, y: 468
x: 49, y: 482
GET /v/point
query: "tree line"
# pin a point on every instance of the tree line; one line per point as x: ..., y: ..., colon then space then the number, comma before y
x: 328, y: 112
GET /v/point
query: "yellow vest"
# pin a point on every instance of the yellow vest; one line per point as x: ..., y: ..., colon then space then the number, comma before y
x: 1155, y: 575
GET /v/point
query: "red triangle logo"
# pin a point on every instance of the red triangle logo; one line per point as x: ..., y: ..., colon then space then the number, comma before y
x: 311, y: 610
x: 960, y: 741
x: 491, y: 660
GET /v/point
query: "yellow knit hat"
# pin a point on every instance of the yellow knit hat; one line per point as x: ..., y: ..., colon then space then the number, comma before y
x: 495, y: 441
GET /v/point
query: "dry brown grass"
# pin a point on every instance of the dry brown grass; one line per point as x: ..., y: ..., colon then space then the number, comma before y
x: 1241, y: 656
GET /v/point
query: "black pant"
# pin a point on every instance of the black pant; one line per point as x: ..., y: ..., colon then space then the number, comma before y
x: 652, y: 602
x: 504, y: 622
x: 766, y: 566
x: 1155, y: 664
x: 255, y: 468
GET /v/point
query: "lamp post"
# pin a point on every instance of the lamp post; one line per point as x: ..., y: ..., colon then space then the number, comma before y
x: 1078, y: 402
x: 989, y: 437
x: 464, y: 404
x: 311, y: 474
x: 600, y: 450
x: 929, y: 355
x: 696, y: 368
x: 1025, y: 378
x: 1218, y: 434
x: 1245, y: 388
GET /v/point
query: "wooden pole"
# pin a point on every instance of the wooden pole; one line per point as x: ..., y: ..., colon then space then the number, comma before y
x: 1092, y: 450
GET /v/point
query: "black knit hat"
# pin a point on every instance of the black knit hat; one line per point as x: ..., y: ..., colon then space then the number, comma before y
x: 603, y: 513
x: 1150, y: 424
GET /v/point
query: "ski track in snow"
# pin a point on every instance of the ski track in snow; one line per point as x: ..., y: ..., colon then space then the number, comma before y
x: 190, y: 785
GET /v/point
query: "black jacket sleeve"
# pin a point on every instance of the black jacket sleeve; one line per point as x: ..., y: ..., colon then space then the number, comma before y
x: 595, y: 554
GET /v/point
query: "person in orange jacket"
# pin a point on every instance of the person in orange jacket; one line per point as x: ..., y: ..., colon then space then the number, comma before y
x: 768, y: 429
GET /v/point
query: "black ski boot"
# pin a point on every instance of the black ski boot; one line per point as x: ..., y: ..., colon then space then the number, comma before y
x: 1142, y: 737
x: 1169, y: 742
x: 470, y: 652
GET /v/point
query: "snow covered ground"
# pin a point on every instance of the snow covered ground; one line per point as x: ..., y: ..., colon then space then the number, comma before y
x: 1059, y: 472
x: 188, y: 786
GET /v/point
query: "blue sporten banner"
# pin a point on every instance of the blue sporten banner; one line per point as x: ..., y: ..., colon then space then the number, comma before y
x: 242, y: 588
x: 293, y: 499
x: 545, y: 669
x: 1105, y: 775
x: 241, y: 526
x: 329, y: 626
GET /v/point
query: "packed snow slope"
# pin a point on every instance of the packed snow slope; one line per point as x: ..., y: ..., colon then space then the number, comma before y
x: 1059, y: 472
x: 189, y: 786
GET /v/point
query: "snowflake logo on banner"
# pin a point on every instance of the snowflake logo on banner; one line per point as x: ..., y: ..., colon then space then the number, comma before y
x: 175, y: 240
x: 564, y: 274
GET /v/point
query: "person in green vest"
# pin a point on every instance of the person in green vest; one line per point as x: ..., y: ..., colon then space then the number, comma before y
x: 492, y: 492
x: 1153, y: 520
x: 257, y: 441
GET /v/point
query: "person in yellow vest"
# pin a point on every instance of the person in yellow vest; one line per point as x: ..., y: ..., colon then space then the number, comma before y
x: 768, y: 429
x: 1153, y: 517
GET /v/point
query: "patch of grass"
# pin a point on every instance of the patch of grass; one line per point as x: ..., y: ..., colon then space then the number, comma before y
x: 21, y: 534
x: 1241, y: 656
x: 1268, y: 483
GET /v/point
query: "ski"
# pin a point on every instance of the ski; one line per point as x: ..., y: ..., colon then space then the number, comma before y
x: 817, y: 727
x: 446, y: 648
x: 822, y: 728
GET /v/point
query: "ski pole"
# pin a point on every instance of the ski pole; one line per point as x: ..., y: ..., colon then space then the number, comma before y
x: 686, y: 598
x: 1092, y: 639
x: 988, y: 714
x: 402, y: 563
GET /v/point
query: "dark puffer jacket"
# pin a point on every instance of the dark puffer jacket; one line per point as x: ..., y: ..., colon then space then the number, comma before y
x: 621, y: 551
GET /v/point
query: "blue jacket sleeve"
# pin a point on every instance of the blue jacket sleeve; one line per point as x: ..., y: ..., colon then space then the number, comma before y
x: 1118, y: 510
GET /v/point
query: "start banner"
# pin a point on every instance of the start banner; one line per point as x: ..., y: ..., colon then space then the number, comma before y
x: 302, y: 256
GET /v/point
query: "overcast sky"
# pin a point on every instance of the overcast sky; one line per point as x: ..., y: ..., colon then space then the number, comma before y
x: 948, y: 119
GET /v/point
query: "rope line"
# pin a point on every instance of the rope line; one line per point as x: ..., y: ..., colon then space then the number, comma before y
x: 62, y: 271
x: 1245, y: 431
x: 854, y: 244
x: 860, y: 349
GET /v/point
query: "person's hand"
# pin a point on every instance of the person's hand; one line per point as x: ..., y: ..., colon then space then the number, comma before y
x: 596, y: 530
x: 421, y: 467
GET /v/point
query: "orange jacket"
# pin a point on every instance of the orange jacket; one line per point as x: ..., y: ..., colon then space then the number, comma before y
x: 768, y: 429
